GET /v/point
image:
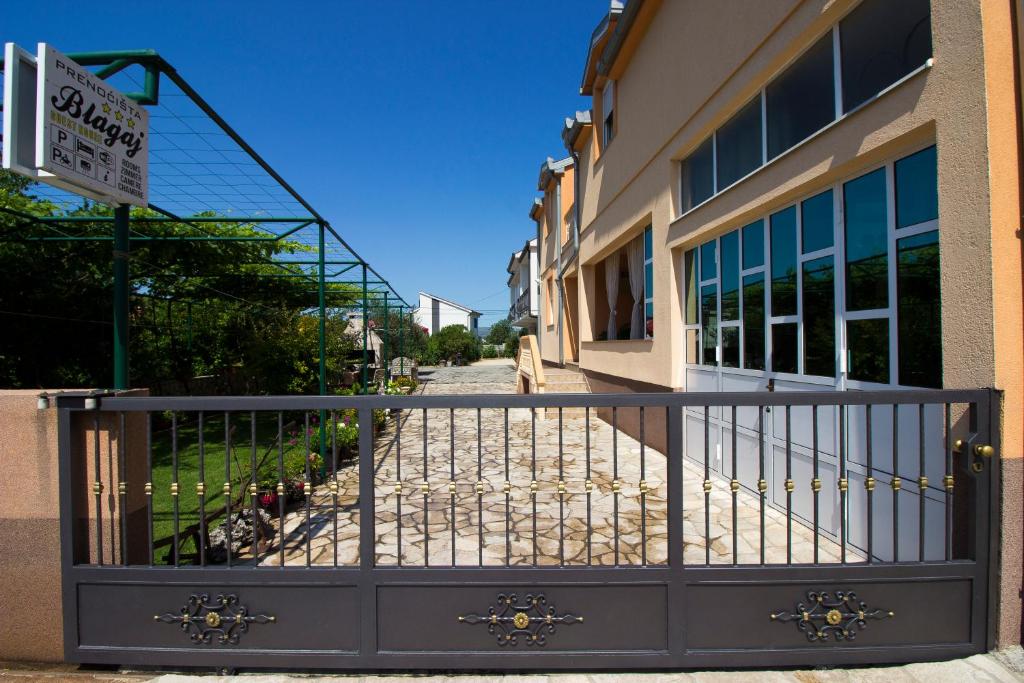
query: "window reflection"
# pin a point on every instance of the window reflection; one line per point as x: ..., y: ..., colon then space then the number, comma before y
x: 882, y: 41
x: 917, y: 189
x: 709, y: 324
x: 819, y: 317
x: 816, y: 223
x: 784, y: 347
x: 783, y: 253
x: 730, y: 276
x: 753, y: 244
x: 866, y: 230
x: 753, y: 322
x: 920, y: 319
x: 868, y: 342
x: 801, y: 100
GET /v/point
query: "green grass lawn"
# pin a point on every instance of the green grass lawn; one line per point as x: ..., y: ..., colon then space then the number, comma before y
x: 213, y: 464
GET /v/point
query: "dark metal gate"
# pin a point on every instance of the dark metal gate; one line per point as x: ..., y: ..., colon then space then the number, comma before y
x: 524, y: 532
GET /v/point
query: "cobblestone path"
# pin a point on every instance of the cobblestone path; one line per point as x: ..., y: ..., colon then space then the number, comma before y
x: 541, y: 527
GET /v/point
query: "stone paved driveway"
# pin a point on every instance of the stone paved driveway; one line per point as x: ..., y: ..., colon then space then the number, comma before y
x: 548, y: 528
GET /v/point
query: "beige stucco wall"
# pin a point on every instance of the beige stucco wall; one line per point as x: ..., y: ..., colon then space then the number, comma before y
x: 699, y: 62
x: 30, y: 529
x: 1008, y: 296
x: 30, y: 554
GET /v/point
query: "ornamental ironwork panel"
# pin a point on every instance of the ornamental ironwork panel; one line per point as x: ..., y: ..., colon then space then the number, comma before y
x: 839, y: 616
x: 221, y: 620
x: 533, y: 619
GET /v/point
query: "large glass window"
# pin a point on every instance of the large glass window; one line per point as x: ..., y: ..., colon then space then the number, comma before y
x: 698, y: 175
x: 919, y: 313
x: 738, y: 145
x: 801, y: 100
x: 750, y: 309
x: 783, y: 253
x: 866, y: 235
x: 881, y: 41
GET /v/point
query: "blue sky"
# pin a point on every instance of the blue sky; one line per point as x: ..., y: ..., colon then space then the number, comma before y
x: 421, y: 125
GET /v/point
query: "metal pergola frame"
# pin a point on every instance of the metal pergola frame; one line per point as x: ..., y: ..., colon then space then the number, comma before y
x: 122, y: 235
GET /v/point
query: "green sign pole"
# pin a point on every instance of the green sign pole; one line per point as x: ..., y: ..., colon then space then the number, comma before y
x: 401, y: 340
x: 122, y: 221
x: 322, y: 295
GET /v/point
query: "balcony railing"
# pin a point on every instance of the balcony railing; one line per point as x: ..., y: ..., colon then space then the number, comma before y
x: 521, y: 308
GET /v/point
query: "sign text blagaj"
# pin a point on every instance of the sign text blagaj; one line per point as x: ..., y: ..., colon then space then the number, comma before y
x: 89, y: 136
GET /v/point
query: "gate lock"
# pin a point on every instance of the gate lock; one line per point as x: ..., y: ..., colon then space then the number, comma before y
x: 982, y: 452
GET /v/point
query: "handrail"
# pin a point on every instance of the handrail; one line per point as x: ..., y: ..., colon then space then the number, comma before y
x: 679, y: 399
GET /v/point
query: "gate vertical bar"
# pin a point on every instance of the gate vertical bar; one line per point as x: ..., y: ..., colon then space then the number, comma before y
x: 368, y: 597
x: 201, y: 492
x: 122, y: 485
x: 675, y: 551
x: 97, y: 487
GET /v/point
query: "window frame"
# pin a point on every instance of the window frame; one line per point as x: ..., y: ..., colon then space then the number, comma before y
x: 842, y: 316
x: 648, y: 295
x: 608, y: 110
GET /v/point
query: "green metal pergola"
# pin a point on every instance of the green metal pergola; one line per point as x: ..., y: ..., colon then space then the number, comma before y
x: 204, y: 175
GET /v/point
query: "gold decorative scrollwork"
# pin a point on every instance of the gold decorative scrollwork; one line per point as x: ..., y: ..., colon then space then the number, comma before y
x: 221, y: 620
x: 838, y: 616
x: 533, y: 620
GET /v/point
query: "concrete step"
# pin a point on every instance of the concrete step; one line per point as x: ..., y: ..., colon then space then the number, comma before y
x: 567, y: 388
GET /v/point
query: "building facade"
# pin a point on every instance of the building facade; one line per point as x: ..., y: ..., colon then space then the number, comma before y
x: 558, y: 329
x: 801, y: 195
x: 523, y: 287
x: 434, y: 314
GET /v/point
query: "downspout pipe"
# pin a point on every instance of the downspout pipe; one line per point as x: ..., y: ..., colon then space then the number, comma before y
x: 536, y: 284
x: 558, y: 271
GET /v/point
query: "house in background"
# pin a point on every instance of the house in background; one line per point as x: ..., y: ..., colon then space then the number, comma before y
x: 523, y: 287
x: 435, y: 313
x: 556, y: 248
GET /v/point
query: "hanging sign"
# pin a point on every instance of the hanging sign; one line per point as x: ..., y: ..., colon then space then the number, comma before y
x: 90, y: 138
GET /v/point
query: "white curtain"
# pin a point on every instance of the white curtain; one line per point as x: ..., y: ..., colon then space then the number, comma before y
x: 635, y: 261
x: 611, y: 286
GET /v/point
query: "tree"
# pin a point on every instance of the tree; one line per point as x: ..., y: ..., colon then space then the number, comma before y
x: 451, y: 342
x: 196, y: 308
x: 500, y: 333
